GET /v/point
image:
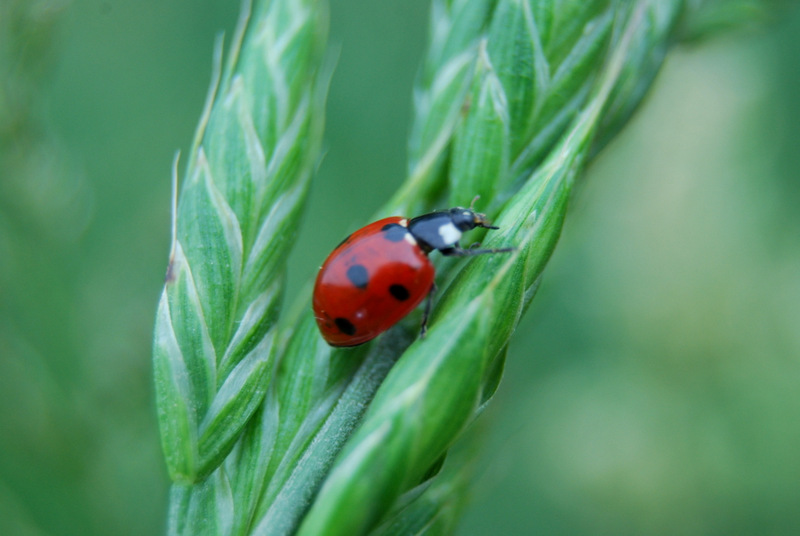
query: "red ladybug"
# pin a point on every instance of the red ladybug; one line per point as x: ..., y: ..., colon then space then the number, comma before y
x: 381, y: 272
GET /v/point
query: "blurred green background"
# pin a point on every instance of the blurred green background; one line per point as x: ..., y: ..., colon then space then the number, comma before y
x: 653, y: 388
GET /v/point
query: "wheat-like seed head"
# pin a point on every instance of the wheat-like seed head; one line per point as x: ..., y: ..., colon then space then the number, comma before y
x: 268, y: 430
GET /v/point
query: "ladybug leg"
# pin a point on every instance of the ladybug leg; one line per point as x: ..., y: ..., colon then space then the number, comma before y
x: 428, y: 303
x: 458, y: 251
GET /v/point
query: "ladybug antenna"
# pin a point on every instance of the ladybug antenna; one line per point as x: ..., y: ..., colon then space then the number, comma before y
x: 474, y: 199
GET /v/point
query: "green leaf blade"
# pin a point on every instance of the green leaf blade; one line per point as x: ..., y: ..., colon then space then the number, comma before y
x: 403, y: 432
x: 312, y: 450
x: 173, y: 388
x: 247, y: 180
x: 439, y: 93
x: 514, y: 51
x: 481, y: 147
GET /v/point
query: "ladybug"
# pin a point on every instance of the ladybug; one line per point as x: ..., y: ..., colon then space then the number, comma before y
x: 381, y: 272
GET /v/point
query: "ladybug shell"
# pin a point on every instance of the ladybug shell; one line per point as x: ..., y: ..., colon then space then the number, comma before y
x: 374, y: 278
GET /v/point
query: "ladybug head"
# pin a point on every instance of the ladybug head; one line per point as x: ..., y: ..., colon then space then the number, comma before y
x: 466, y: 219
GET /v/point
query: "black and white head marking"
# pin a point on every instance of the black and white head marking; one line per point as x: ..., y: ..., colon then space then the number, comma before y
x: 450, y: 233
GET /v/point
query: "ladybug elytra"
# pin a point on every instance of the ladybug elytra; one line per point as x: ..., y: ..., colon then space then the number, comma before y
x: 380, y: 273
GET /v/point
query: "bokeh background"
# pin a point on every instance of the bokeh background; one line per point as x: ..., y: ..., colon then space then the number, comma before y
x: 653, y: 388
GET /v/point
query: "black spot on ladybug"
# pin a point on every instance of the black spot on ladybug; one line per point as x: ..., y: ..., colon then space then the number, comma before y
x: 394, y: 232
x: 358, y: 276
x: 399, y: 292
x: 345, y: 241
x: 345, y: 326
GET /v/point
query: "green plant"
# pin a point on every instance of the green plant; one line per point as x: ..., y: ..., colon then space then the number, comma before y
x: 265, y: 428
